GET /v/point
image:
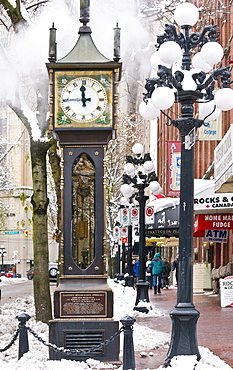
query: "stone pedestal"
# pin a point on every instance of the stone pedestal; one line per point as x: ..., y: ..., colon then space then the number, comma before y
x: 83, y: 310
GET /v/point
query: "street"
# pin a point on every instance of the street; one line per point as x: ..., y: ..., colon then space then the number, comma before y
x: 19, y: 290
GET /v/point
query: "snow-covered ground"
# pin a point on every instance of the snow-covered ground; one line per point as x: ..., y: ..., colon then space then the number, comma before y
x: 145, y: 339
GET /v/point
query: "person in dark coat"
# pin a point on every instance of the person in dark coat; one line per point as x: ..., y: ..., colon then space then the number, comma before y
x: 166, y: 273
x: 148, y: 273
x: 136, y: 271
x: 175, y: 267
x: 157, y: 267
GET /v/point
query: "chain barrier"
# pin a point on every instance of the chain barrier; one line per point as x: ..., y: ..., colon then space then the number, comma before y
x: 75, y: 351
x: 61, y: 349
x: 11, y: 342
x: 127, y: 328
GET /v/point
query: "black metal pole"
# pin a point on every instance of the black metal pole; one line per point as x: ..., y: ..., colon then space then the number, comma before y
x: 128, y: 346
x: 123, y: 259
x: 2, y: 261
x: 184, y: 315
x: 116, y: 264
x: 23, y: 334
x: 142, y: 285
x: 130, y: 278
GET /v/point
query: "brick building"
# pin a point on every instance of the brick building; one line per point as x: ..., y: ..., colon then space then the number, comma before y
x: 217, y: 254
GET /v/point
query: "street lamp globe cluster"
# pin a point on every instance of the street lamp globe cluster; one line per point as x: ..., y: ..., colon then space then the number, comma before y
x: 183, y: 62
x: 184, y: 72
x: 139, y: 174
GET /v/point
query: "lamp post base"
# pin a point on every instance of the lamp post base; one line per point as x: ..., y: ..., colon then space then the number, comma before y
x: 142, y: 303
x: 184, y: 338
x: 129, y: 281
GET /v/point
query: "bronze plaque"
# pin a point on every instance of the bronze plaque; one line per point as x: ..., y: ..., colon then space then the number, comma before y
x: 79, y: 304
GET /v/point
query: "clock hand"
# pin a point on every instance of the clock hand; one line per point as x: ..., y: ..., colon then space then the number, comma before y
x: 84, y: 99
x: 74, y: 99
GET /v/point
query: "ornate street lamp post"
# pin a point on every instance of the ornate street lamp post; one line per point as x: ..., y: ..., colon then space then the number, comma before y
x: 191, y: 82
x: 2, y: 252
x: 140, y: 174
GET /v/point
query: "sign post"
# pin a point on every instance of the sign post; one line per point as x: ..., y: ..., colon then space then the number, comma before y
x: 226, y: 290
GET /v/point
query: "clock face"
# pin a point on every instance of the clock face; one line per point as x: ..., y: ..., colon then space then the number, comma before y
x: 83, y: 99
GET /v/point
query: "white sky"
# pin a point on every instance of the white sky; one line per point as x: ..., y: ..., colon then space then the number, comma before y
x: 145, y: 339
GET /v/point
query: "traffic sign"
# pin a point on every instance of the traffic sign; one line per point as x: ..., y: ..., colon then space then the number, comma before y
x: 135, y: 215
x: 124, y: 232
x: 124, y: 216
x: 190, y: 139
x: 116, y: 233
x: 149, y: 215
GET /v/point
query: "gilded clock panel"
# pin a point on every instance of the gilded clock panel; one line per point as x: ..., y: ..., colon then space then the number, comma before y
x: 83, y: 99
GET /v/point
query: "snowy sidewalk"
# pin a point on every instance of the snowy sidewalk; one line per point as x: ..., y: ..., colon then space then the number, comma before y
x: 214, y: 327
x: 151, y: 334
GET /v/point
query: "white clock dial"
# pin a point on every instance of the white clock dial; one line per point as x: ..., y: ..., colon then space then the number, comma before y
x: 83, y: 99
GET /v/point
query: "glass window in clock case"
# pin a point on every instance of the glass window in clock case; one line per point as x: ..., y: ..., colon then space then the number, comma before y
x: 83, y: 211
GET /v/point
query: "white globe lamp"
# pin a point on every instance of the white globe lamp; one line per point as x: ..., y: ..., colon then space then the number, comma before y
x: 148, y: 166
x: 129, y: 169
x: 155, y: 61
x: 137, y: 148
x: 123, y: 201
x: 186, y: 14
x: 170, y: 52
x: 211, y: 52
x: 148, y: 110
x: 163, y: 97
x: 224, y: 99
x: 154, y: 186
x: 209, y: 111
x: 157, y: 192
x: 126, y: 190
x: 198, y: 62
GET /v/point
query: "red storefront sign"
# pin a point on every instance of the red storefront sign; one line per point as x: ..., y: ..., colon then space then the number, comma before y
x: 223, y: 221
x: 174, y: 168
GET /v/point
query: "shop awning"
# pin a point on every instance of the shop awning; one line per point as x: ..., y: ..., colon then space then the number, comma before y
x: 166, y: 220
x: 206, y: 201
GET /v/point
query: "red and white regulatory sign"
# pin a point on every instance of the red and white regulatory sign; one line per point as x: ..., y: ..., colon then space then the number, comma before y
x: 135, y: 215
x: 124, y: 234
x: 124, y: 216
x: 149, y: 215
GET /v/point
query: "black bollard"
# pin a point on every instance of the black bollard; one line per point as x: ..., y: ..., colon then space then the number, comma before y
x: 128, y: 347
x: 23, y: 334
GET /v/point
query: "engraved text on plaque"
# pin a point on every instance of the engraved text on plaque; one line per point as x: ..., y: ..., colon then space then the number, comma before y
x: 74, y: 304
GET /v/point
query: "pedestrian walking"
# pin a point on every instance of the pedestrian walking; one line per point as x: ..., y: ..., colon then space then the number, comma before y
x: 157, y: 267
x: 175, y: 267
x: 148, y: 273
x: 136, y: 271
x: 14, y: 271
x: 166, y: 273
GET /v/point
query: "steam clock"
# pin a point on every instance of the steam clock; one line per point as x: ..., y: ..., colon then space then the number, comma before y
x: 83, y: 102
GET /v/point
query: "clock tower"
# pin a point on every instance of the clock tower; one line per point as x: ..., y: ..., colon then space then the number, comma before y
x: 83, y: 104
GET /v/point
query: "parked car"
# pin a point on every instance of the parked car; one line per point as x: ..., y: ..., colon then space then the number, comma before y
x: 9, y: 274
x: 53, y: 271
x: 30, y: 273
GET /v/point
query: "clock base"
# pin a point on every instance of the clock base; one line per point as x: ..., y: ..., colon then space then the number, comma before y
x: 82, y: 335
